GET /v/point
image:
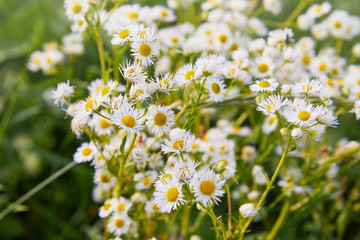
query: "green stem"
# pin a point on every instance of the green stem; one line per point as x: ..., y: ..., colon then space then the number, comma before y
x: 338, y: 46
x: 100, y: 46
x: 279, y: 220
x: 37, y: 188
x: 269, y: 186
x: 295, y: 13
x: 215, y: 220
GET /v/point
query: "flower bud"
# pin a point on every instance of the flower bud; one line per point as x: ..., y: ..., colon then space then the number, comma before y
x: 248, y: 210
x: 285, y: 132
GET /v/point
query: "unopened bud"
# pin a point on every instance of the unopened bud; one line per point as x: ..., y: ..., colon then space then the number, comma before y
x: 285, y: 132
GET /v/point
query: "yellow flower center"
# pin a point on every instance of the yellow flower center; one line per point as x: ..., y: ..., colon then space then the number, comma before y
x: 164, y: 83
x: 223, y: 161
x: 145, y: 50
x: 322, y: 67
x: 223, y: 147
x: 160, y: 119
x: 335, y: 71
x: 263, y: 67
x: 76, y: 8
x: 174, y: 40
x: 133, y: 15
x: 163, y: 13
x: 172, y: 194
x: 207, y: 187
x: 194, y: 146
x: 119, y: 223
x: 124, y: 33
x: 272, y: 120
x: 179, y: 144
x: 304, y: 115
x: 80, y: 22
x: 90, y: 105
x: 104, y: 123
x: 128, y: 121
x: 215, y: 87
x: 86, y: 151
x: 337, y: 24
x: 121, y: 207
x: 358, y: 94
x: 306, y: 59
x: 306, y: 87
x: 104, y: 178
x: 264, y: 84
x: 234, y: 47
x: 270, y: 106
x: 155, y: 207
x: 147, y: 181
x: 190, y: 74
x: 223, y: 38
x: 106, y: 206
x: 318, y: 9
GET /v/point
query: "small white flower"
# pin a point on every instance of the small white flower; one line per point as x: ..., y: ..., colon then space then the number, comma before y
x: 107, y: 208
x: 159, y: 119
x: 308, y: 87
x: 85, y: 153
x: 128, y: 118
x: 104, y: 178
x: 168, y: 195
x: 76, y: 9
x: 119, y: 224
x: 140, y: 156
x: 271, y: 104
x: 144, y: 50
x: 185, y: 170
x: 182, y: 142
x: 207, y: 187
x: 302, y: 113
x: 248, y: 210
x: 216, y: 88
x: 63, y: 91
x: 326, y: 116
x: 264, y: 85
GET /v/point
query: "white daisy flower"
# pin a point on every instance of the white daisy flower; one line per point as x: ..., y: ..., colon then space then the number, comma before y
x: 168, y: 195
x: 104, y: 178
x: 124, y: 34
x: 227, y: 164
x: 271, y: 104
x: 207, y: 187
x: 216, y: 88
x: 248, y: 210
x: 270, y: 124
x: 95, y: 87
x: 318, y: 10
x: 182, y: 142
x: 185, y: 75
x: 78, y: 125
x: 133, y: 72
x: 145, y: 180
x: 166, y: 176
x: 79, y: 25
x: 185, y: 170
x: 75, y: 9
x: 102, y: 126
x: 107, y: 208
x: 165, y: 83
x: 159, y: 119
x: 128, y: 118
x: 209, y: 65
x: 144, y: 50
x: 163, y: 13
x: 106, y: 91
x: 264, y: 85
x: 326, y: 116
x: 119, y: 224
x: 85, y: 153
x: 151, y: 207
x: 141, y: 91
x: 302, y: 114
x: 63, y: 91
x: 308, y: 87
x: 120, y: 101
x: 121, y: 205
x: 258, y: 175
x: 85, y: 108
x: 264, y: 67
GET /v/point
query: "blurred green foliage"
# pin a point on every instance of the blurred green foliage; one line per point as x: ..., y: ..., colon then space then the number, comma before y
x: 35, y: 140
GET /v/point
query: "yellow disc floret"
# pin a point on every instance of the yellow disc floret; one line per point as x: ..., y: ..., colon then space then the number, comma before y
x: 304, y: 115
x: 160, y: 119
x: 145, y: 50
x: 128, y: 121
x: 207, y: 187
x: 172, y: 194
